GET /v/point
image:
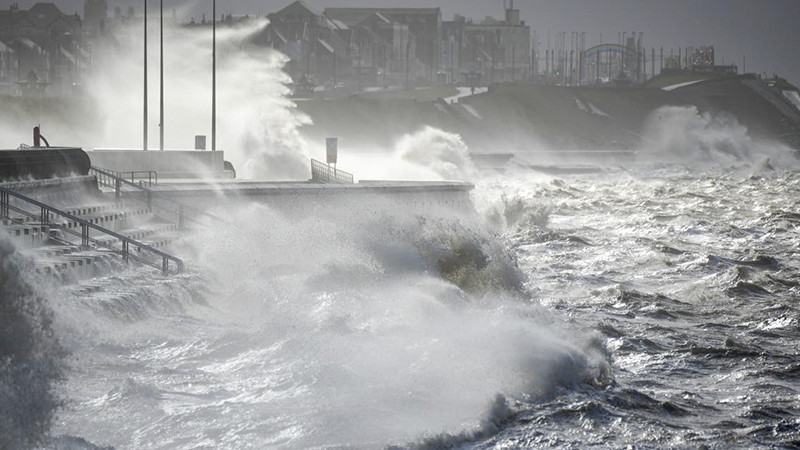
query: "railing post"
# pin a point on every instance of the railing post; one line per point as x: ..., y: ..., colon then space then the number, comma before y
x: 84, y: 236
x: 164, y: 266
x: 117, y: 189
x: 45, y: 216
x: 125, y: 252
x: 4, y: 204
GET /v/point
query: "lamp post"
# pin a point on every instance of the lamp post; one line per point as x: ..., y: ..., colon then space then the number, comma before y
x: 144, y: 122
x: 214, y: 76
x: 161, y: 96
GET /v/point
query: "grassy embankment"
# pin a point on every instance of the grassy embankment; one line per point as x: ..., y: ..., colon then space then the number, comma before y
x: 522, y: 117
x: 509, y: 118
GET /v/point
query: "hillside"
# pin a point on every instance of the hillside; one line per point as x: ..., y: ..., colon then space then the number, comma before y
x: 521, y: 118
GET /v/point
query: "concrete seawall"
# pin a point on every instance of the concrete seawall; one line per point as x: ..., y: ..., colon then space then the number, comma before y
x: 411, y: 196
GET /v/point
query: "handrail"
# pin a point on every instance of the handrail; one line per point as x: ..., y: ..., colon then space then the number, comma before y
x: 108, y: 178
x: 323, y: 173
x: 148, y: 177
x: 46, y: 210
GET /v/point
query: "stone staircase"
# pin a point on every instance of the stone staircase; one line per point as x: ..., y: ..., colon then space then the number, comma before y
x: 58, y: 248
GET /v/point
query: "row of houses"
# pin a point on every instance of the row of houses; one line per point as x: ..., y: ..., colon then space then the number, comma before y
x: 44, y: 48
x: 39, y: 47
x: 391, y: 46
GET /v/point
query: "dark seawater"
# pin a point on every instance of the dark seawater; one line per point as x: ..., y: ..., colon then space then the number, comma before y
x: 654, y: 307
x: 690, y: 278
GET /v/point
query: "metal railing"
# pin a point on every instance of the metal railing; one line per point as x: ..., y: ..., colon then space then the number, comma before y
x: 45, y: 211
x: 323, y: 173
x: 164, y: 206
x: 147, y: 178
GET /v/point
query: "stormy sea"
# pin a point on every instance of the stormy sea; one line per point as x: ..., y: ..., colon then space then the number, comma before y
x: 646, y: 303
x: 650, y: 305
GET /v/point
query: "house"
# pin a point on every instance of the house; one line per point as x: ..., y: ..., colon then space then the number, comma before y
x: 41, y: 41
x: 418, y: 53
x: 383, y: 51
x: 491, y: 51
x: 313, y: 42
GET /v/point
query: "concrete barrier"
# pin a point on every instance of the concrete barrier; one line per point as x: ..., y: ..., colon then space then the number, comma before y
x: 409, y: 196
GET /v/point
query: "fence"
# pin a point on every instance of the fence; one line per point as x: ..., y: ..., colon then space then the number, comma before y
x: 323, y: 173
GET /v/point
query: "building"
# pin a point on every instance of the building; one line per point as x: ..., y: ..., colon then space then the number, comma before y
x: 383, y: 51
x: 487, y: 52
x: 701, y: 57
x: 416, y: 34
x: 313, y: 42
x: 95, y: 15
x: 42, y: 44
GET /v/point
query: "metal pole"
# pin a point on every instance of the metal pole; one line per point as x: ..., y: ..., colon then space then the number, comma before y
x: 144, y: 122
x: 214, y: 76
x: 161, y: 98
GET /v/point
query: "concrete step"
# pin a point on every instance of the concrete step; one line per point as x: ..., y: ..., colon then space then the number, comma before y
x: 163, y: 239
x: 84, y: 210
x: 51, y: 251
x: 70, y: 266
x: 141, y: 232
x: 13, y: 221
x: 29, y: 235
x: 105, y: 218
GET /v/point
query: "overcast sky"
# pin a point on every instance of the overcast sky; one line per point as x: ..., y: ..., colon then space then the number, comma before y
x: 766, y: 32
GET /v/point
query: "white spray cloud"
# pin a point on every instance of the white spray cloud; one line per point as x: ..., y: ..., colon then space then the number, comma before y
x: 428, y: 154
x: 682, y: 134
x: 378, y: 348
x: 436, y: 154
x: 257, y: 126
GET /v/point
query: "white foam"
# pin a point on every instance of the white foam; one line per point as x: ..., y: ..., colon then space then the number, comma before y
x: 794, y: 98
x: 680, y: 85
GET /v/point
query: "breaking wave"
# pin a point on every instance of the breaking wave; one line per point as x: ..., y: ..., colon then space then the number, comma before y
x: 438, y: 154
x: 684, y: 134
x: 31, y: 359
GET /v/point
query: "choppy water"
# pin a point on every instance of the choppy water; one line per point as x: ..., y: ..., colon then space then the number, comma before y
x: 650, y: 307
x: 691, y: 280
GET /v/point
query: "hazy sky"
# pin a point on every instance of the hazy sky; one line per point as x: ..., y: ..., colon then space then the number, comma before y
x: 767, y: 32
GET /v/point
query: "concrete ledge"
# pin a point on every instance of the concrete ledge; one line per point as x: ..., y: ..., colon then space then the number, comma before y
x: 299, y: 196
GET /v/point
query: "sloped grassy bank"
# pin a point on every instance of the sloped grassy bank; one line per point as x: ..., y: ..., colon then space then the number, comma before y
x: 522, y: 118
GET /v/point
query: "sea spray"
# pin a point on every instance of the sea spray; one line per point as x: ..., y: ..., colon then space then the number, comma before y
x: 683, y: 134
x: 357, y: 310
x: 437, y: 155
x: 31, y: 359
x: 257, y: 125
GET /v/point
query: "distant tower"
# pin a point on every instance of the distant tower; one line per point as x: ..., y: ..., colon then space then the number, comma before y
x: 512, y: 15
x: 95, y: 13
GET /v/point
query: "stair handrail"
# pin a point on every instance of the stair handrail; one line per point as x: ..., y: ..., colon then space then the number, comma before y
x: 5, y: 206
x: 102, y: 174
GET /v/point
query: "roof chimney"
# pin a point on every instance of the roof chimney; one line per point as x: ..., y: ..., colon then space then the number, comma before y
x: 512, y: 15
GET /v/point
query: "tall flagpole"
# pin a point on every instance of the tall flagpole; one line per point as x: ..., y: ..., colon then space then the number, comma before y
x: 144, y: 122
x: 214, y: 76
x: 161, y: 130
